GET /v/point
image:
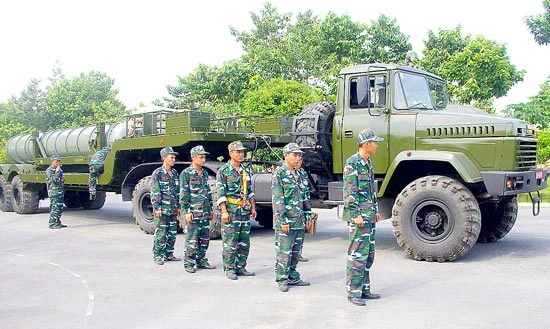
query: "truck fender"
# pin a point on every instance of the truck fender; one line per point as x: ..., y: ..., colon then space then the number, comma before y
x: 462, y: 164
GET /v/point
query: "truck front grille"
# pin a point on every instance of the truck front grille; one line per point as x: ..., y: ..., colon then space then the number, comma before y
x: 526, y: 154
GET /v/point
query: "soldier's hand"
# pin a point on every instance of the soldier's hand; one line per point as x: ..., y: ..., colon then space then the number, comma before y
x: 253, y: 213
x: 179, y: 212
x: 158, y: 213
x: 358, y: 221
x: 378, y: 217
x: 308, y: 224
x: 189, y: 217
x: 285, y: 228
x: 225, y: 217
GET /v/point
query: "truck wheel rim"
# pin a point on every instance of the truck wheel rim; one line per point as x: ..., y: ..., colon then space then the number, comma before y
x: 433, y: 221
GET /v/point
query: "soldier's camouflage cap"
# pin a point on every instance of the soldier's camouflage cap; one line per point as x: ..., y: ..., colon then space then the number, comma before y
x: 55, y: 157
x: 236, y: 146
x: 167, y: 150
x: 292, y: 148
x: 367, y: 135
x: 197, y: 150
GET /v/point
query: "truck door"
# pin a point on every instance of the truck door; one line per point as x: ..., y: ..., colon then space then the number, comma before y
x: 364, y: 107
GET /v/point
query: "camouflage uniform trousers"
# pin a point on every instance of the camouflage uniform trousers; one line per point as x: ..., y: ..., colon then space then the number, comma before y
x: 56, y: 209
x: 197, y: 240
x: 95, y: 170
x: 236, y: 243
x: 287, y: 247
x: 165, y: 236
x: 360, y: 258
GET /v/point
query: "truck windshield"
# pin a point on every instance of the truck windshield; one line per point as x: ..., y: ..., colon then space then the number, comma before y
x: 414, y: 91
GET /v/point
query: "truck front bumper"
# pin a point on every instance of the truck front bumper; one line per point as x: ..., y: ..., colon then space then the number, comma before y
x: 508, y: 183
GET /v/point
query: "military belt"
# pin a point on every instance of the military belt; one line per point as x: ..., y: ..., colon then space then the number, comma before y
x: 238, y: 202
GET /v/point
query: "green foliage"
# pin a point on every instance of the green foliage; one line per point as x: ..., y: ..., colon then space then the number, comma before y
x: 385, y: 43
x: 539, y: 24
x: 9, y: 129
x: 83, y: 100
x: 543, y: 146
x: 478, y: 69
x: 537, y: 110
x: 29, y: 109
x: 280, y: 97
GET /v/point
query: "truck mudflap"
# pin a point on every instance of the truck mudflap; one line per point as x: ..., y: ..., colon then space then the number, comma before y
x: 510, y: 183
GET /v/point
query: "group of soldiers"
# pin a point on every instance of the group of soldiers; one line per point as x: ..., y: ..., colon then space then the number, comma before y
x: 188, y: 196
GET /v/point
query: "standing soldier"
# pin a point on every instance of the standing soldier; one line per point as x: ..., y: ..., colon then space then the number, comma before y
x: 196, y: 205
x: 291, y: 213
x: 304, y: 187
x: 361, y: 213
x: 96, y: 168
x: 166, y: 207
x: 56, y: 192
x: 236, y: 201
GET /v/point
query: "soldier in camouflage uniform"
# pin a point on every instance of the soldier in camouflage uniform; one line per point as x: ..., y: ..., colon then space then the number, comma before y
x: 56, y: 192
x: 166, y: 206
x: 304, y: 186
x: 236, y: 201
x: 361, y: 214
x: 96, y: 168
x: 196, y: 205
x: 291, y: 213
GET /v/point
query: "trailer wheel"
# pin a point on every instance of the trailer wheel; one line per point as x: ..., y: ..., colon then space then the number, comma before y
x: 23, y: 201
x: 5, y: 195
x: 497, y: 219
x: 72, y: 200
x: 436, y: 218
x: 97, y: 203
x: 216, y: 223
x: 142, y: 209
x: 264, y: 216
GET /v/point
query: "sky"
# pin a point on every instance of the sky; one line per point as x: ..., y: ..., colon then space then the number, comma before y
x: 146, y: 45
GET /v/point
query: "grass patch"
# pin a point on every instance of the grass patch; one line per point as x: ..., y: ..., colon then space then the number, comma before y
x: 545, y: 195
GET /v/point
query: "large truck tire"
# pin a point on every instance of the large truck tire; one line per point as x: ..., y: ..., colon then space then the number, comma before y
x: 23, y: 201
x: 72, y: 199
x: 97, y: 203
x: 497, y: 219
x: 316, y: 140
x: 436, y: 218
x: 142, y: 209
x: 5, y: 195
x: 216, y: 222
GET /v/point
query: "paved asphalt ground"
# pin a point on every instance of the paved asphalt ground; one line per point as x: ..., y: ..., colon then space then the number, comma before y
x: 98, y: 273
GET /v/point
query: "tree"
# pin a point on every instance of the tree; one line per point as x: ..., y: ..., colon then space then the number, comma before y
x: 280, y: 97
x: 478, y: 69
x: 83, y: 100
x: 9, y: 129
x: 539, y: 24
x: 537, y: 110
x: 385, y: 43
x: 29, y: 108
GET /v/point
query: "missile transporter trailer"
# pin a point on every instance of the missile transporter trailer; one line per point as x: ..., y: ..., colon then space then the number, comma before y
x: 446, y: 175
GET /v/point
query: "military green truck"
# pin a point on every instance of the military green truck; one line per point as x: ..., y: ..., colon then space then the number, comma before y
x: 446, y: 175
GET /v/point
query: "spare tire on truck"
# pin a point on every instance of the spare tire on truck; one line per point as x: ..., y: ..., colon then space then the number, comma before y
x: 312, y: 131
